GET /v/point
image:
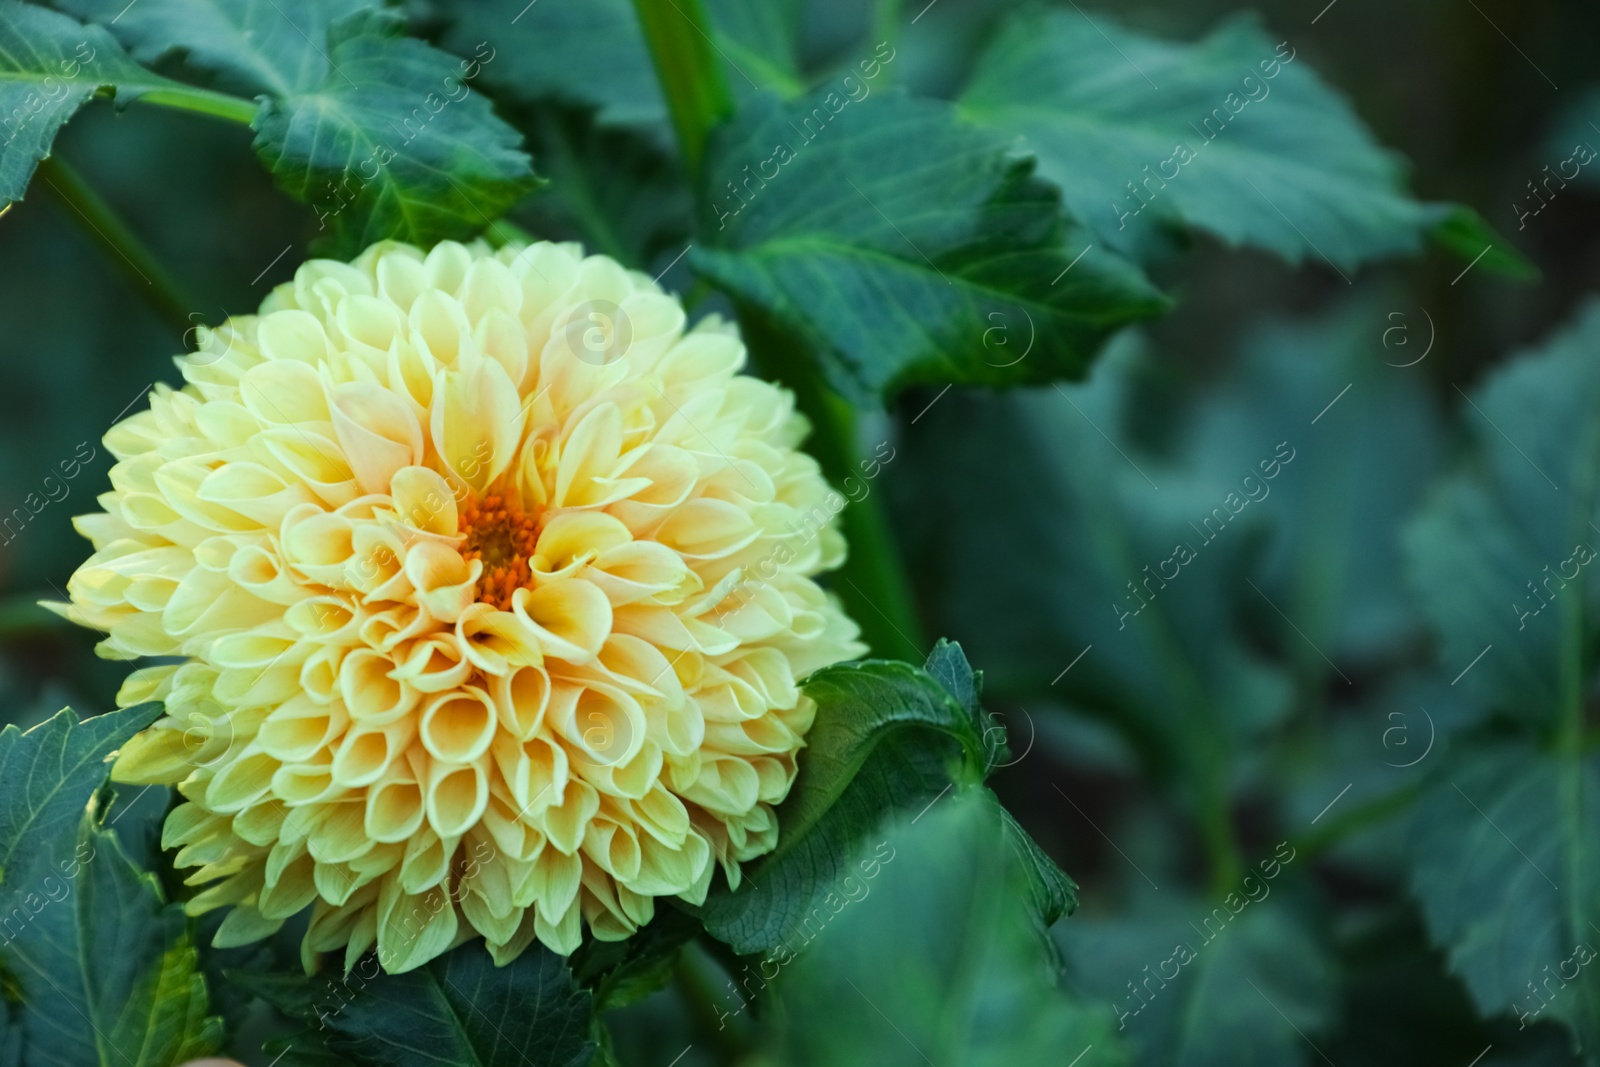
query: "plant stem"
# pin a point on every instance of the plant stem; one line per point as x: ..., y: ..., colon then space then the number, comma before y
x: 1216, y: 829
x: 885, y: 23
x: 679, y: 34
x: 113, y: 235
x: 692, y: 986
x: 203, y: 102
x: 1357, y: 817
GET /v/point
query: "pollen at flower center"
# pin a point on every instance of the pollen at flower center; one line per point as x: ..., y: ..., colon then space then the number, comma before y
x: 502, y: 537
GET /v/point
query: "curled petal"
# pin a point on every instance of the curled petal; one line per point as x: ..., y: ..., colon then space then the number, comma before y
x: 378, y: 432
x: 456, y: 727
x: 425, y: 501
x: 570, y: 618
x: 476, y: 423
x: 443, y: 580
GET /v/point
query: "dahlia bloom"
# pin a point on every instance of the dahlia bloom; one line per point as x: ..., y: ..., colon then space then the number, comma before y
x: 489, y: 587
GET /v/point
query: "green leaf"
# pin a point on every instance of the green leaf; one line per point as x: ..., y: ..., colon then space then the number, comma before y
x: 1031, y: 518
x: 1503, y: 868
x: 1499, y: 560
x: 757, y: 42
x: 864, y: 701
x: 101, y: 969
x: 1200, y: 984
x: 1052, y: 895
x: 905, y: 246
x: 623, y: 972
x: 1051, y: 892
x: 1232, y: 134
x: 884, y: 739
x: 553, y: 51
x: 458, y: 1009
x: 936, y: 962
x: 47, y: 777
x: 248, y: 48
x: 382, y: 135
x: 1469, y: 235
x: 50, y: 65
x: 435, y: 172
x: 948, y: 666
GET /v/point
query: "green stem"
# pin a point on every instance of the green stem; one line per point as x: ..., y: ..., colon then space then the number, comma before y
x: 709, y: 1019
x: 885, y: 25
x: 872, y: 582
x: 203, y: 102
x: 1216, y: 829
x: 113, y: 235
x: 679, y: 34
x: 1357, y: 817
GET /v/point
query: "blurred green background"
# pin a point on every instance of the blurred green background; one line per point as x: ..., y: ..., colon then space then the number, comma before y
x: 1296, y: 632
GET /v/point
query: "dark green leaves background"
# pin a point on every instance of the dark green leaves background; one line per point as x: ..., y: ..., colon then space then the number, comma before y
x: 1228, y: 767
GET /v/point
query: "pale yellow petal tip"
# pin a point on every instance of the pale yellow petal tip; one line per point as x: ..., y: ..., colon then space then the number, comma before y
x: 477, y: 575
x: 155, y: 757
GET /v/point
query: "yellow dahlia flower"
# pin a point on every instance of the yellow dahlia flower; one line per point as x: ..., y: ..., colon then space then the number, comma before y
x: 489, y: 586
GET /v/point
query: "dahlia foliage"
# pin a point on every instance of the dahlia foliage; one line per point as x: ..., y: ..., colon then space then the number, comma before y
x: 484, y: 586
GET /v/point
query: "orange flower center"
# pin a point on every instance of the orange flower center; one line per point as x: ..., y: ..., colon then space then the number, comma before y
x: 503, y: 538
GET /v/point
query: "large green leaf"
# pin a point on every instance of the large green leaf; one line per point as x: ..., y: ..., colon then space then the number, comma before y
x: 435, y: 171
x: 47, y: 777
x: 1502, y: 562
x: 757, y: 42
x: 586, y: 52
x: 1032, y: 517
x: 100, y: 968
x: 1501, y: 558
x: 1229, y: 983
x: 247, y: 47
x: 858, y: 704
x: 1233, y: 134
x: 50, y: 65
x: 1052, y: 894
x: 458, y: 1009
x: 936, y: 962
x: 382, y: 135
x: 905, y: 246
x: 1504, y: 869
